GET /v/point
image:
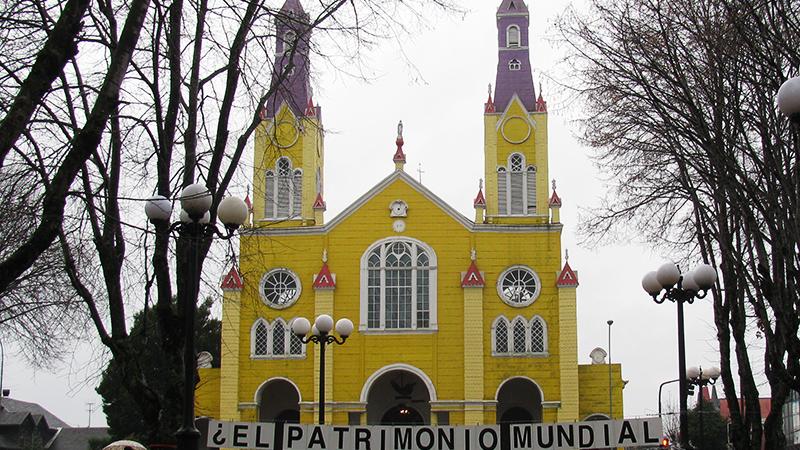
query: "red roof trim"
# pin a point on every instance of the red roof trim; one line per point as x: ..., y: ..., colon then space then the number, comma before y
x: 488, y: 107
x: 311, y: 111
x: 232, y: 281
x: 248, y: 203
x: 324, y: 279
x: 399, y: 156
x: 567, y: 278
x: 541, y: 105
x: 473, y: 277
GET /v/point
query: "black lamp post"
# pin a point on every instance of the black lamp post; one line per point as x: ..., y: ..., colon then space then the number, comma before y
x: 701, y: 379
x: 680, y: 288
x: 321, y: 334
x: 194, y: 228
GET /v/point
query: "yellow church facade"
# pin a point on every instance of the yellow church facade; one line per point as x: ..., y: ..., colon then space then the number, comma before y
x: 457, y: 321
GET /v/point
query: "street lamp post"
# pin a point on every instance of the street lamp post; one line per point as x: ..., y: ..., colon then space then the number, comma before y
x: 610, y: 392
x: 680, y: 288
x: 321, y: 334
x: 701, y: 379
x: 194, y: 228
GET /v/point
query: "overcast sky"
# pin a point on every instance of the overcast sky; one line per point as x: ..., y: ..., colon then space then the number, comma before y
x: 440, y: 100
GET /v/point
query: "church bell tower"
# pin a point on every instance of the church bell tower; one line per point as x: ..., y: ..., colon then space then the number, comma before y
x: 289, y: 150
x: 515, y: 128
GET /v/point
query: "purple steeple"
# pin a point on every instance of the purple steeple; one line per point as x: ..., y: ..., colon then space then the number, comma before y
x: 514, y: 62
x: 292, y: 28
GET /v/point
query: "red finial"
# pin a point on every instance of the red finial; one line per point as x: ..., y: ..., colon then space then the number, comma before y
x: 473, y: 277
x: 399, y: 156
x: 319, y: 203
x: 541, y: 105
x: 567, y: 278
x: 324, y: 279
x: 232, y: 281
x: 480, y: 200
x: 262, y: 114
x: 489, y: 106
x: 311, y: 111
x: 248, y: 203
x: 555, y: 200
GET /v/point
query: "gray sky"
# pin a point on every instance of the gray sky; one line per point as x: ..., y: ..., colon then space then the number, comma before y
x: 440, y: 100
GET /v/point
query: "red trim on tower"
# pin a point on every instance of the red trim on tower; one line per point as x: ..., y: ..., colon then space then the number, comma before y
x: 399, y: 156
x: 248, y: 203
x: 319, y: 203
x: 232, y: 281
x: 473, y: 277
x: 555, y: 200
x: 541, y: 105
x: 311, y: 111
x: 324, y: 279
x: 480, y: 200
x: 489, y: 105
x: 567, y: 278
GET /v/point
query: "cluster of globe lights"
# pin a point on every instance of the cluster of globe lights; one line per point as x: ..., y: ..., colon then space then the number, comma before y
x: 668, y: 275
x: 196, y: 203
x: 322, y: 326
x: 699, y: 376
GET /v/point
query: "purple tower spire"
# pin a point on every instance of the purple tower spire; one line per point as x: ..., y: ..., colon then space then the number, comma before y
x: 514, y: 62
x: 292, y: 29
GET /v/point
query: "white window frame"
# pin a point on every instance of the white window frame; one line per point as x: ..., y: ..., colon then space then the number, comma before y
x: 509, y: 44
x: 287, y: 330
x: 536, y: 292
x: 528, y: 204
x: 432, y: 290
x: 528, y: 353
x: 295, y: 208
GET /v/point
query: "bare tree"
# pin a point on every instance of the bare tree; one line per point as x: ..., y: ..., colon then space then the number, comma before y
x: 105, y: 135
x: 680, y: 101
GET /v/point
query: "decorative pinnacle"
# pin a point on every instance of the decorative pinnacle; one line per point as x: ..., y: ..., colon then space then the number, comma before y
x: 473, y: 255
x: 325, y: 255
x: 554, y: 184
x: 566, y: 255
x: 490, y: 89
x: 399, y: 156
x: 400, y: 131
x: 480, y: 184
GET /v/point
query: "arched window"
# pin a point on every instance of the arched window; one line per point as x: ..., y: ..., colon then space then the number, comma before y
x: 516, y: 187
x: 512, y: 36
x: 398, y: 286
x: 284, y: 190
x: 538, y: 335
x: 274, y: 341
x: 514, y: 64
x: 289, y: 40
x: 530, y: 197
x: 261, y: 339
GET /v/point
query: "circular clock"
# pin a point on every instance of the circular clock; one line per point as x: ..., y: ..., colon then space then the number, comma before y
x: 399, y: 226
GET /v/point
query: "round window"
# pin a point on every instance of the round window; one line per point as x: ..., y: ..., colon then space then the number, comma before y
x: 280, y: 288
x: 518, y: 286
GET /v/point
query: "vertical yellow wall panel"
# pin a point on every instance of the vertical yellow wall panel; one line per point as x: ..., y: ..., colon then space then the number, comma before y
x: 324, y: 305
x: 568, y: 349
x: 230, y: 364
x: 473, y: 352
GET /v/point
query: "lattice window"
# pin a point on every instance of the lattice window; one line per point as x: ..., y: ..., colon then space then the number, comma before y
x: 280, y: 288
x: 501, y: 336
x: 297, y: 193
x: 519, y: 335
x: 269, y: 194
x: 284, y: 188
x: 295, y: 344
x: 261, y: 339
x: 399, y: 292
x: 538, y: 335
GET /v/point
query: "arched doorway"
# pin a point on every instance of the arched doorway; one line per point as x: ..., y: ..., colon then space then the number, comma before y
x: 519, y: 400
x: 398, y: 397
x: 278, y: 401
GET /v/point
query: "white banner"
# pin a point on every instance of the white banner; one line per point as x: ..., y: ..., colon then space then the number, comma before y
x: 561, y: 436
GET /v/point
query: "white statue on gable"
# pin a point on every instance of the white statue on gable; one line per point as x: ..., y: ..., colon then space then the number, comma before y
x: 398, y: 208
x: 598, y: 356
